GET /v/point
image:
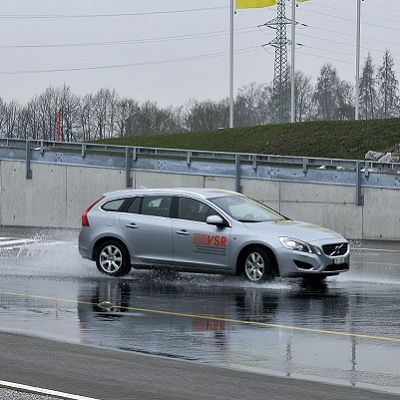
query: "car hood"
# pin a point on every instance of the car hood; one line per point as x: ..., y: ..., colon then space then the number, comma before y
x: 295, y: 229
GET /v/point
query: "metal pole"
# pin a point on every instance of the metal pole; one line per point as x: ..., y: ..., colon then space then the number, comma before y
x: 128, y: 180
x: 293, y: 63
x: 28, y: 171
x: 358, y: 46
x: 231, y: 62
x: 238, y: 187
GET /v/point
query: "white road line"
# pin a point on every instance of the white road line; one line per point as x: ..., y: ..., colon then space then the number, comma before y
x: 33, y: 389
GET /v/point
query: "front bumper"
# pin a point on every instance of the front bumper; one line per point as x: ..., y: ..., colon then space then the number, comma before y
x: 84, y: 244
x: 294, y: 263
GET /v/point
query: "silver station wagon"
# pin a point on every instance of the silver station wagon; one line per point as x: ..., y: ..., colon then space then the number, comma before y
x: 206, y: 230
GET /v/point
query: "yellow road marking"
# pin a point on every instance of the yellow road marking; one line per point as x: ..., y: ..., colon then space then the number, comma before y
x: 220, y: 319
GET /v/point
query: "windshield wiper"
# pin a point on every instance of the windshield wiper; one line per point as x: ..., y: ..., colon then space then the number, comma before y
x: 248, y: 220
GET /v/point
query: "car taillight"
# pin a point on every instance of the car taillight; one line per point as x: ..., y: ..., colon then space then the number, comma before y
x: 85, y: 219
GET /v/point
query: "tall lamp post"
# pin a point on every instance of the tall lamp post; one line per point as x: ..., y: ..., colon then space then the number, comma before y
x: 358, y: 47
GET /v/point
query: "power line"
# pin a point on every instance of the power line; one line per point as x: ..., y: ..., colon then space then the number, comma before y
x: 352, y: 20
x: 352, y: 35
x: 330, y: 50
x: 120, y: 66
x: 345, y: 34
x: 344, y: 44
x: 133, y: 41
x: 372, y: 6
x: 363, y: 14
x: 60, y: 16
x: 244, y: 30
x: 326, y: 58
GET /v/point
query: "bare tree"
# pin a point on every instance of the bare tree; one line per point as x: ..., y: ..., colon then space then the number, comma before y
x: 112, y: 102
x: 3, y: 114
x: 34, y: 119
x: 49, y: 105
x: 206, y: 115
x: 11, y: 119
x: 303, y: 96
x: 122, y: 115
x: 149, y: 119
x: 69, y: 105
x: 251, y: 105
x: 345, y: 101
x: 325, y: 93
x: 100, y: 106
x: 104, y: 114
x: 133, y: 121
x: 368, y: 95
x: 388, y: 87
x: 333, y: 97
x: 87, y: 117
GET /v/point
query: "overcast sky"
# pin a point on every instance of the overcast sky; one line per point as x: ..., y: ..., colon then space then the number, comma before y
x: 330, y: 36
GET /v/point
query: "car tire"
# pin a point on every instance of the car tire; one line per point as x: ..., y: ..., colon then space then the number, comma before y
x: 112, y: 258
x: 257, y: 265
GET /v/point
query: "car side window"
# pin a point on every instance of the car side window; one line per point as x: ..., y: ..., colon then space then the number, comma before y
x: 134, y: 207
x: 194, y: 210
x: 156, y: 205
x: 113, y: 205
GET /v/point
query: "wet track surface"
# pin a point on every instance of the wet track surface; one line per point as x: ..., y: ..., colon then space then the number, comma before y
x: 345, y: 331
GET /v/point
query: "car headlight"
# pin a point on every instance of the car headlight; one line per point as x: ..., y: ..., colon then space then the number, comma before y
x: 295, y: 244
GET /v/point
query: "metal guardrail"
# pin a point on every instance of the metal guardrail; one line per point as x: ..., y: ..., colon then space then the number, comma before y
x: 357, y: 173
x: 191, y: 155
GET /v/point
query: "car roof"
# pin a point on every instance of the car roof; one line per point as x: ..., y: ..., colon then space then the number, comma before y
x: 194, y: 192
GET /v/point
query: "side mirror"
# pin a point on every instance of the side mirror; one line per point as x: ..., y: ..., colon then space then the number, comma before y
x: 215, y: 220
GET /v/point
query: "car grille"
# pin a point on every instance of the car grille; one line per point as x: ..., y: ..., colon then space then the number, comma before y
x: 336, y: 249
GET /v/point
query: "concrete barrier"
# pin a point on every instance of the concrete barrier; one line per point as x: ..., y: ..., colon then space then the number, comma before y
x: 57, y: 194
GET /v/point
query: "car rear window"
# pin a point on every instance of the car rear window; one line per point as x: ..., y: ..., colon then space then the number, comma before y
x: 113, y: 205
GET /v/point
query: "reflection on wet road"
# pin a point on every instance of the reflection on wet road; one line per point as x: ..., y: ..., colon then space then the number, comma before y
x: 343, y: 331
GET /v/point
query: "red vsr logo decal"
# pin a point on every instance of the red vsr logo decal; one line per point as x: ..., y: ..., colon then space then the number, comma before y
x: 200, y: 239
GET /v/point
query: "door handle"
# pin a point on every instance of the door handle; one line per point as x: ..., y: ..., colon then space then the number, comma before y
x: 131, y: 226
x: 183, y: 232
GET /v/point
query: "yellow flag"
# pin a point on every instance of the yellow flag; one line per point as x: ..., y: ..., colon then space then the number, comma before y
x: 258, y: 3
x: 254, y: 3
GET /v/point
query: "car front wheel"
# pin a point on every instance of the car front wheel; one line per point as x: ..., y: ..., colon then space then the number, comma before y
x: 113, y: 259
x: 257, y: 265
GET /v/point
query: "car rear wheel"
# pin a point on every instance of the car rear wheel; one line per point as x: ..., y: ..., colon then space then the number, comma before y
x: 113, y: 259
x: 257, y: 265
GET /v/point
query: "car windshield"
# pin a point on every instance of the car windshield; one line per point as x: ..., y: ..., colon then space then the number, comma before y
x: 244, y: 209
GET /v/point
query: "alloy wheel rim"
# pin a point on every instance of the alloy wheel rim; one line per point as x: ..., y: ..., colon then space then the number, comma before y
x: 110, y: 259
x: 254, y: 267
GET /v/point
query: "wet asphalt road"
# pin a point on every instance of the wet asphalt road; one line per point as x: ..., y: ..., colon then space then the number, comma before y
x: 345, y: 332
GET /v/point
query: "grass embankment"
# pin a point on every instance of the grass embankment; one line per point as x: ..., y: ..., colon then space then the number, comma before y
x: 331, y: 139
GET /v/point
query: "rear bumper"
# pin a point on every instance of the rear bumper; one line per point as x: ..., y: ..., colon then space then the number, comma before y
x: 84, y: 244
